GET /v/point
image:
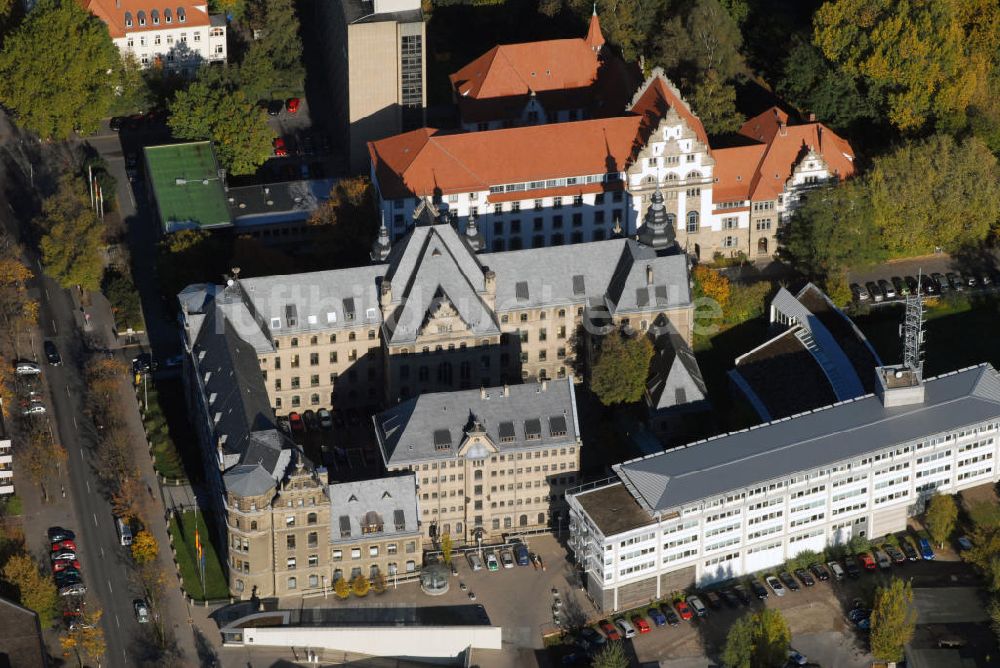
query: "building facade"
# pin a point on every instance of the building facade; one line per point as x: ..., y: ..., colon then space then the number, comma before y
x: 750, y: 500
x: 6, y: 462
x: 376, y: 62
x: 177, y: 37
x: 489, y: 462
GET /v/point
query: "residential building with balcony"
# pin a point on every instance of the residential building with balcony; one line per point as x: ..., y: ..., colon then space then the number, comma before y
x: 179, y: 38
x: 488, y: 462
x: 749, y: 500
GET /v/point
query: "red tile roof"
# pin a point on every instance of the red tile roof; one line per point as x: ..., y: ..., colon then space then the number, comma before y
x: 764, y: 125
x: 654, y: 99
x: 113, y: 12
x: 735, y: 171
x: 518, y: 69
x: 787, y: 148
x: 595, y: 38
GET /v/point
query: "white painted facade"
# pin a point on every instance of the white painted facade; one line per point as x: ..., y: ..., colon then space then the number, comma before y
x: 757, y: 528
x: 174, y: 44
x: 6, y: 467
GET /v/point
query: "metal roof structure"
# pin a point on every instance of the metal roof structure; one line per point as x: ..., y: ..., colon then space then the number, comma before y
x: 806, y: 441
x: 373, y: 508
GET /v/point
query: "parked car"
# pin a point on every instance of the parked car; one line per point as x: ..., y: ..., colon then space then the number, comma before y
x: 280, y: 149
x: 627, y: 629
x: 911, y: 285
x: 925, y: 549
x: 34, y: 408
x: 63, y: 546
x: 730, y: 598
x: 804, y: 577
x: 874, y: 291
x: 141, y: 611
x: 895, y: 554
x: 683, y: 610
x: 909, y: 550
x: 63, y: 555
x: 57, y: 534
x: 787, y: 580
x: 940, y: 282
x: 964, y: 543
x: 26, y: 368
x: 63, y: 564
x: 970, y: 280
x: 901, y: 288
x: 292, y: 105
x: 698, y: 607
x: 955, y: 282
x: 853, y: 570
x: 795, y: 658
x: 866, y: 562
x: 521, y: 553
x: 507, y: 559
x: 116, y: 123
x: 312, y: 422
x: 52, y: 353
x: 295, y: 420
x: 592, y: 637
x: 837, y: 570
x: 712, y: 599
x: 883, y: 560
x: 887, y: 289
x: 275, y: 107
x: 640, y: 623
x: 77, y: 589
x: 143, y: 363
x: 657, y: 616
x: 475, y: 563
x: 325, y: 419
x: 743, y: 595
x: 758, y: 589
x: 491, y: 562
x: 609, y: 630
x: 283, y: 425
x: 775, y: 585
x: 670, y: 614
x: 819, y: 570
x: 859, y: 294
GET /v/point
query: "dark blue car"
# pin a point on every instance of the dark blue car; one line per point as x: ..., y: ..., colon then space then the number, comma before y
x: 521, y: 554
x: 658, y: 617
x: 925, y: 549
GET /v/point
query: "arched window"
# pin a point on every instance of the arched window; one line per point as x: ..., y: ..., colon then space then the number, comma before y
x: 167, y: 16
x: 650, y: 179
x: 541, y: 518
x: 692, y: 224
x: 142, y: 17
x: 671, y: 177
x: 478, y: 475
x: 311, y: 518
x: 694, y: 175
x: 523, y: 521
x: 292, y: 583
x: 128, y: 19
x: 155, y: 15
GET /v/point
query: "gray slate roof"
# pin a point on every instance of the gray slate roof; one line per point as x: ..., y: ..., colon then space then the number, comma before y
x: 675, y: 378
x: 810, y: 440
x: 408, y: 432
x: 393, y: 499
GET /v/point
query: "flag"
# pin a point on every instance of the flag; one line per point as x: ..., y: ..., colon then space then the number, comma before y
x: 197, y: 543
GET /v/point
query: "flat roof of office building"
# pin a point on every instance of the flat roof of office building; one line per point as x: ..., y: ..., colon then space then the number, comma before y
x: 187, y: 186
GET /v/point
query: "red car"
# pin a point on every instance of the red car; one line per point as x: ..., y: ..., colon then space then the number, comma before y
x: 295, y: 420
x: 609, y: 630
x: 292, y: 105
x: 64, y: 545
x: 683, y: 610
x: 63, y: 564
x: 640, y: 623
x: 280, y: 149
x: 866, y: 562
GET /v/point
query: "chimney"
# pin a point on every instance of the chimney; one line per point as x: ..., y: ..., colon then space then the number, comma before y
x: 812, y: 117
x: 506, y: 390
x: 782, y: 130
x: 649, y: 274
x: 385, y: 296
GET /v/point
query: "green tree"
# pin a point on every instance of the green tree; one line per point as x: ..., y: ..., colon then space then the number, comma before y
x: 132, y: 92
x: 35, y: 589
x: 276, y: 52
x: 238, y: 128
x: 935, y: 192
x: 189, y: 256
x: 626, y: 24
x: 612, y: 655
x: 58, y: 70
x: 704, y: 39
x: 738, y: 651
x: 72, y: 238
x: 746, y: 302
x: 121, y: 292
x: 757, y: 640
x: 924, y: 59
x: 619, y: 375
x: 940, y: 517
x: 446, y: 548
x: 715, y: 103
x: 893, y: 620
x: 346, y: 224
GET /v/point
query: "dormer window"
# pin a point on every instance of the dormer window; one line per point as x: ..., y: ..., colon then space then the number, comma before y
x: 181, y: 16
x: 128, y: 19
x: 155, y: 15
x: 142, y: 18
x: 167, y: 16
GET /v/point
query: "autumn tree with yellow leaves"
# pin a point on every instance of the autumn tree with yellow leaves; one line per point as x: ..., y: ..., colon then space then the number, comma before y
x: 34, y: 589
x: 86, y: 639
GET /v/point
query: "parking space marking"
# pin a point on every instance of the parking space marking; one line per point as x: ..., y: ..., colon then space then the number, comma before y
x: 95, y: 519
x: 109, y: 587
x: 117, y: 623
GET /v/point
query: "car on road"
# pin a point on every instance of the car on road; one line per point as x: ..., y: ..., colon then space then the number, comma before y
x: 627, y: 629
x: 887, y: 289
x: 292, y: 105
x: 837, y: 570
x: 909, y: 550
x: 610, y: 631
x: 507, y: 559
x: 141, y: 611
x: 858, y: 293
x: 883, y: 560
x: 657, y: 616
x: 491, y: 562
x: 955, y: 282
x: 866, y: 562
x: 27, y: 368
x: 295, y: 420
x: 684, y: 610
x: 639, y: 622
x: 325, y: 419
x: 804, y: 577
x: 901, y: 288
x: 592, y: 637
x: 895, y: 554
x: 758, y: 589
x: 964, y: 543
x: 874, y: 292
x: 925, y: 549
x: 52, y: 353
x: 775, y: 585
x: 670, y: 614
x: 787, y: 580
x: 698, y: 607
x: 475, y: 563
x: 819, y: 570
x: 57, y: 534
x: 274, y: 107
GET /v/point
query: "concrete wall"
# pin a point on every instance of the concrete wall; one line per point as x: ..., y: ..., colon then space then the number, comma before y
x: 414, y: 641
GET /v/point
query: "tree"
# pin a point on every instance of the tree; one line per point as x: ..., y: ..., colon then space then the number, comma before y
x: 925, y: 60
x: 85, y: 639
x: 121, y: 292
x: 238, y: 127
x: 446, y: 547
x: 38, y: 455
x: 619, y: 375
x: 715, y: 103
x: 738, y: 651
x: 345, y: 225
x: 893, y: 620
x: 189, y: 256
x: 72, y: 237
x: 274, y: 56
x: 746, y: 302
x: 58, y: 70
x: 626, y: 24
x: 360, y: 585
x: 711, y: 284
x: 144, y: 547
x: 378, y: 583
x: 17, y: 310
x: 128, y: 501
x: 35, y: 589
x: 705, y: 39
x: 612, y: 655
x: 132, y: 92
x: 757, y: 639
x: 940, y: 518
x: 935, y: 192
x: 341, y: 588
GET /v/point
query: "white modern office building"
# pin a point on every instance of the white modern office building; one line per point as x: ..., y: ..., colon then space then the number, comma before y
x: 749, y: 500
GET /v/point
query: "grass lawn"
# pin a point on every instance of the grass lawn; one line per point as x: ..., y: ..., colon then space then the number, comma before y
x: 168, y: 459
x: 959, y: 333
x: 216, y: 585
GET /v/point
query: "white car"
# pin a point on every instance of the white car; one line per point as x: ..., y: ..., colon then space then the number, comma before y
x: 27, y: 369
x: 507, y: 559
x: 775, y: 585
x: 475, y: 562
x: 34, y: 409
x: 837, y: 570
x: 141, y: 611
x: 627, y: 629
x: 491, y: 562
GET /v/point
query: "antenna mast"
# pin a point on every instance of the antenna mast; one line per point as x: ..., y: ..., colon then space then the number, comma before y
x: 913, y: 332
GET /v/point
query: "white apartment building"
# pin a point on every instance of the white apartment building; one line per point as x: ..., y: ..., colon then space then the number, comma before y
x: 749, y: 500
x: 175, y: 37
x: 6, y: 463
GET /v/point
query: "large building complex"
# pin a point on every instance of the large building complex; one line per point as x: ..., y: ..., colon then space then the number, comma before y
x: 178, y: 37
x: 749, y: 500
x: 560, y: 156
x: 377, y: 67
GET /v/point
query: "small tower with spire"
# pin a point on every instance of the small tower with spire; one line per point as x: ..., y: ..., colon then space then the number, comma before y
x: 657, y: 230
x: 381, y: 246
x: 472, y: 236
x: 595, y: 38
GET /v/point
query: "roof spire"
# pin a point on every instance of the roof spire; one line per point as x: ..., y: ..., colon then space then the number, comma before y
x: 595, y: 38
x: 382, y: 246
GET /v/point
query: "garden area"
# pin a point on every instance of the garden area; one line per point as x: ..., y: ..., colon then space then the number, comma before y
x: 167, y: 460
x: 174, y: 443
x: 182, y: 529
